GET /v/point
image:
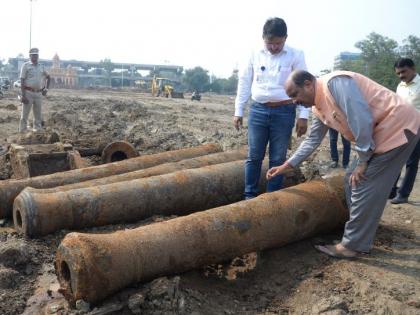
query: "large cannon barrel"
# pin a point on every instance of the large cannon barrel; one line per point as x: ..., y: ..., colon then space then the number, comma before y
x: 205, y: 160
x: 9, y: 189
x: 179, y: 193
x: 93, y: 266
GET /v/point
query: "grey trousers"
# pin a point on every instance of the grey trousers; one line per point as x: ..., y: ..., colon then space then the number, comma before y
x: 367, y: 201
x: 35, y: 102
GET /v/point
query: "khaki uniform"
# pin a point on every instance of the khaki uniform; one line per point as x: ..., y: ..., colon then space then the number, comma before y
x: 34, y: 76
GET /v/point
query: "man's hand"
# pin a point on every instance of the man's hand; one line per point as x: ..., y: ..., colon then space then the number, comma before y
x: 358, y: 174
x: 277, y: 170
x: 237, y: 122
x: 44, y: 91
x: 24, y: 100
x: 301, y: 126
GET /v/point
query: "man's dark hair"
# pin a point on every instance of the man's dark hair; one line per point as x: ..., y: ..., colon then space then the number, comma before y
x: 274, y: 27
x: 300, y: 76
x: 404, y: 62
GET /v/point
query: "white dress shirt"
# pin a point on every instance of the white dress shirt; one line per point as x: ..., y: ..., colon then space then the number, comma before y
x: 264, y: 76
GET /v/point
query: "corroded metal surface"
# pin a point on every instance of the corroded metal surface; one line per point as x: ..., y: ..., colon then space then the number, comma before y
x: 118, y: 151
x: 205, y: 160
x: 31, y: 160
x: 93, y: 266
x: 9, y: 189
x: 179, y: 193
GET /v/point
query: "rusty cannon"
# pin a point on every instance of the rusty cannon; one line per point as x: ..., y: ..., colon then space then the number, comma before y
x: 205, y: 160
x: 93, y: 266
x: 179, y: 193
x: 9, y: 189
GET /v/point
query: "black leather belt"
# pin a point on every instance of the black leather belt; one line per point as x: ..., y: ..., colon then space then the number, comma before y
x: 32, y: 90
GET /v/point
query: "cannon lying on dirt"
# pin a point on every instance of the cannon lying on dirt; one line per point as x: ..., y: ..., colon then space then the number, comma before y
x: 93, y: 266
x: 9, y: 189
x: 205, y: 160
x: 179, y: 193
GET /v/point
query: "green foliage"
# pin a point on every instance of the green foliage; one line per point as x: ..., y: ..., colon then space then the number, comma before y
x: 411, y: 49
x: 378, y: 55
x: 225, y: 86
x: 197, y: 79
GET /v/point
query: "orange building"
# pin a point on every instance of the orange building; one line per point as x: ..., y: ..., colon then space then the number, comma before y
x: 62, y: 77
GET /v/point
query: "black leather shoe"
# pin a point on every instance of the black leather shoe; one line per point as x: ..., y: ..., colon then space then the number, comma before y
x: 399, y: 199
x: 393, y: 194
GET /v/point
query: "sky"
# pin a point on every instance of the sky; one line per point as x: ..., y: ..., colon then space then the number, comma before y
x: 215, y: 34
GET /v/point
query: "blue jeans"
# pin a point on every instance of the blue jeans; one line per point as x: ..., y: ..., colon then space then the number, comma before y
x: 267, y: 125
x: 333, y: 146
x: 411, y: 168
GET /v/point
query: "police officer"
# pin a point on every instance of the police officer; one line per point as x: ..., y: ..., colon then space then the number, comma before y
x: 35, y: 82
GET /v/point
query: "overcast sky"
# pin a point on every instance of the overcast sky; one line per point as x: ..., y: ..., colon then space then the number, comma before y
x: 214, y: 34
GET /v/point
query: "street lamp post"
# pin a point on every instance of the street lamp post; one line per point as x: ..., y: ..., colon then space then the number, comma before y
x: 30, y: 25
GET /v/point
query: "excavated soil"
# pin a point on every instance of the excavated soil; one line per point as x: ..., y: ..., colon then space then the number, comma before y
x: 294, y: 279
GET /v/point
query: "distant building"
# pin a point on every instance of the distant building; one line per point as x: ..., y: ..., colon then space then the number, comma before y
x: 346, y: 56
x: 62, y: 77
x: 82, y: 74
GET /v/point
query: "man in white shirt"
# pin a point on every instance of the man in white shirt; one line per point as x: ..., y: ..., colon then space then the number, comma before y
x: 409, y: 89
x: 272, y: 113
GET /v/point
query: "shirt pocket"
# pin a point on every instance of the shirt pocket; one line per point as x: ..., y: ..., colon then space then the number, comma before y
x: 30, y: 73
x: 283, y: 74
x: 262, y: 76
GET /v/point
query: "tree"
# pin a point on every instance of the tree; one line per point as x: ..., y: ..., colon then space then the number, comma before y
x: 197, y: 79
x: 225, y: 86
x: 232, y: 83
x: 108, y: 66
x: 216, y: 85
x: 411, y: 49
x: 379, y: 54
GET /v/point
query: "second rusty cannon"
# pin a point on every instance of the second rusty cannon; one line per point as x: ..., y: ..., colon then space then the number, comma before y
x: 179, y: 193
x: 9, y: 189
x: 165, y: 168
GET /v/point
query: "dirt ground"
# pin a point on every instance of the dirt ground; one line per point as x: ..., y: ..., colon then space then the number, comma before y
x: 294, y: 279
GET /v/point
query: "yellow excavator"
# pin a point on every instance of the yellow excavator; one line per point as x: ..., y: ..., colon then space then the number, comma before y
x: 165, y: 87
